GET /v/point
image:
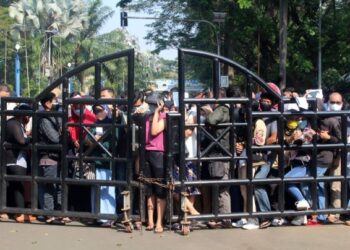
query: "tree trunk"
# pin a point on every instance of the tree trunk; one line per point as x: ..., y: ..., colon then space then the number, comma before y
x: 283, y: 42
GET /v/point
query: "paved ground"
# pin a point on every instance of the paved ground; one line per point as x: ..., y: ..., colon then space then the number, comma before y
x: 15, y: 236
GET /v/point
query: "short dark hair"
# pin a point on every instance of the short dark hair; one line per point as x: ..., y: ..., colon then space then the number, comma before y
x: 49, y: 97
x: 5, y: 88
x: 108, y: 89
x: 234, y: 91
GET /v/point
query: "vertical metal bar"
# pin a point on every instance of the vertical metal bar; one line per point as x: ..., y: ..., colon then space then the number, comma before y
x: 216, y: 77
x: 98, y: 67
x: 280, y: 157
x: 130, y: 94
x: 169, y: 164
x: 343, y: 164
x: 249, y: 152
x: 232, y: 138
x: 3, y: 183
x: 314, y: 159
x: 34, y: 158
x: 181, y: 72
x: 142, y: 160
x: 64, y: 152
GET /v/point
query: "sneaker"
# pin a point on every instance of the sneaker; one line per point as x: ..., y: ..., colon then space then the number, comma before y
x: 299, y: 220
x: 276, y: 222
x: 240, y: 223
x: 302, y: 205
x: 251, y: 225
x: 265, y: 224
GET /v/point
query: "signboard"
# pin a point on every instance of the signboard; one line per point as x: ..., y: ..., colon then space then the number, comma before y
x: 224, y: 81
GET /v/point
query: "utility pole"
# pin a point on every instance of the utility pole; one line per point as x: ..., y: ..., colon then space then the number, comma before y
x: 283, y: 42
x: 319, y: 71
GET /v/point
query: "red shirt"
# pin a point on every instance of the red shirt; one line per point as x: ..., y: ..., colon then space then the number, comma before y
x: 88, y: 118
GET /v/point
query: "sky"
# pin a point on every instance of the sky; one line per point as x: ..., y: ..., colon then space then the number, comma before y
x: 136, y: 28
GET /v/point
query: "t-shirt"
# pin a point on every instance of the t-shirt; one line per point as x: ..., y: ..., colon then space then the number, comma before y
x: 154, y: 143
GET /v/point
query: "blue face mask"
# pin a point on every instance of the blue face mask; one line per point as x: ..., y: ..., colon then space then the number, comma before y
x: 302, y: 124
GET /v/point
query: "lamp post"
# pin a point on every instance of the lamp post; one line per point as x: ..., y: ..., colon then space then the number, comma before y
x: 18, y: 71
x: 319, y: 64
x: 70, y: 84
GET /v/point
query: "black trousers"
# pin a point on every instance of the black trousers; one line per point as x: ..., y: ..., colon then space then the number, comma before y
x: 15, y: 189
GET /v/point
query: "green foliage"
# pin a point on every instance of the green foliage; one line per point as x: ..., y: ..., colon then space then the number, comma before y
x: 250, y: 35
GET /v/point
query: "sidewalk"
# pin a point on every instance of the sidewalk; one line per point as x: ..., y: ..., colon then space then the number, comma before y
x: 14, y: 236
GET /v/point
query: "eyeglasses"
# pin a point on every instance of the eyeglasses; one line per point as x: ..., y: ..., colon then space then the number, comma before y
x: 332, y: 102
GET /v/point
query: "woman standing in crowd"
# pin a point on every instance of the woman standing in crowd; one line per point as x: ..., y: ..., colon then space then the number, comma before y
x: 154, y: 167
x: 16, y: 159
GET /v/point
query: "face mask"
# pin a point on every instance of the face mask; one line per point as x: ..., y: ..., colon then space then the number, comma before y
x: 77, y: 112
x: 292, y: 124
x: 302, y: 124
x: 334, y: 107
x: 265, y: 107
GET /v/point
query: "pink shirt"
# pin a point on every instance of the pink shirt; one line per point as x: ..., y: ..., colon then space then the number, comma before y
x: 154, y: 143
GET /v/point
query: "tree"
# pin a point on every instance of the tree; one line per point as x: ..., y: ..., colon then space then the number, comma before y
x: 250, y: 34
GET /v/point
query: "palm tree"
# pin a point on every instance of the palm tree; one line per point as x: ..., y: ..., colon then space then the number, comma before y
x: 42, y: 18
x: 97, y: 16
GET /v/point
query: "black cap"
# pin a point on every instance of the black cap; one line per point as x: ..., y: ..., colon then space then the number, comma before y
x: 23, y: 106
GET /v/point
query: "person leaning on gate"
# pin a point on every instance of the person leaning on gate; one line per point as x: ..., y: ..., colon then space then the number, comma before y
x: 5, y: 91
x: 120, y: 173
x: 49, y: 133
x: 103, y: 169
x: 16, y: 159
x: 79, y: 196
x: 154, y: 166
x: 220, y: 170
x: 329, y: 132
x: 335, y: 103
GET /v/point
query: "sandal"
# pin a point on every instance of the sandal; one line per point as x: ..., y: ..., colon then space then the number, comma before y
x: 66, y: 220
x: 158, y: 230
x: 150, y: 228
x: 54, y: 221
x: 4, y: 217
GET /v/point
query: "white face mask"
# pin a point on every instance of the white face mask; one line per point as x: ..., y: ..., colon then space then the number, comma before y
x: 77, y: 112
x: 334, y: 107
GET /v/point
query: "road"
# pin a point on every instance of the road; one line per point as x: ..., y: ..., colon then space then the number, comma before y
x: 15, y: 236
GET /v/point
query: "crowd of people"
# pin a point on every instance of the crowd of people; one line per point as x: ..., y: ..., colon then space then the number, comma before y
x: 214, y: 151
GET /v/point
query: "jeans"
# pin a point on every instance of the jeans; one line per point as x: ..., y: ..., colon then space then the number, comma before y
x: 321, y: 196
x: 260, y: 191
x: 292, y: 188
x: 107, y: 194
x: 49, y: 193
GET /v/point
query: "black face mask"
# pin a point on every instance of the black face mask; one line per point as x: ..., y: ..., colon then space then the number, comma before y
x: 265, y: 107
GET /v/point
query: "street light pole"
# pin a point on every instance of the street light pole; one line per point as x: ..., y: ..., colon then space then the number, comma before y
x: 18, y: 72
x: 319, y: 71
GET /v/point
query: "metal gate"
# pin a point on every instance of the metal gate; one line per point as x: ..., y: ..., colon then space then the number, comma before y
x: 66, y: 179
x: 134, y: 131
x: 176, y: 148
